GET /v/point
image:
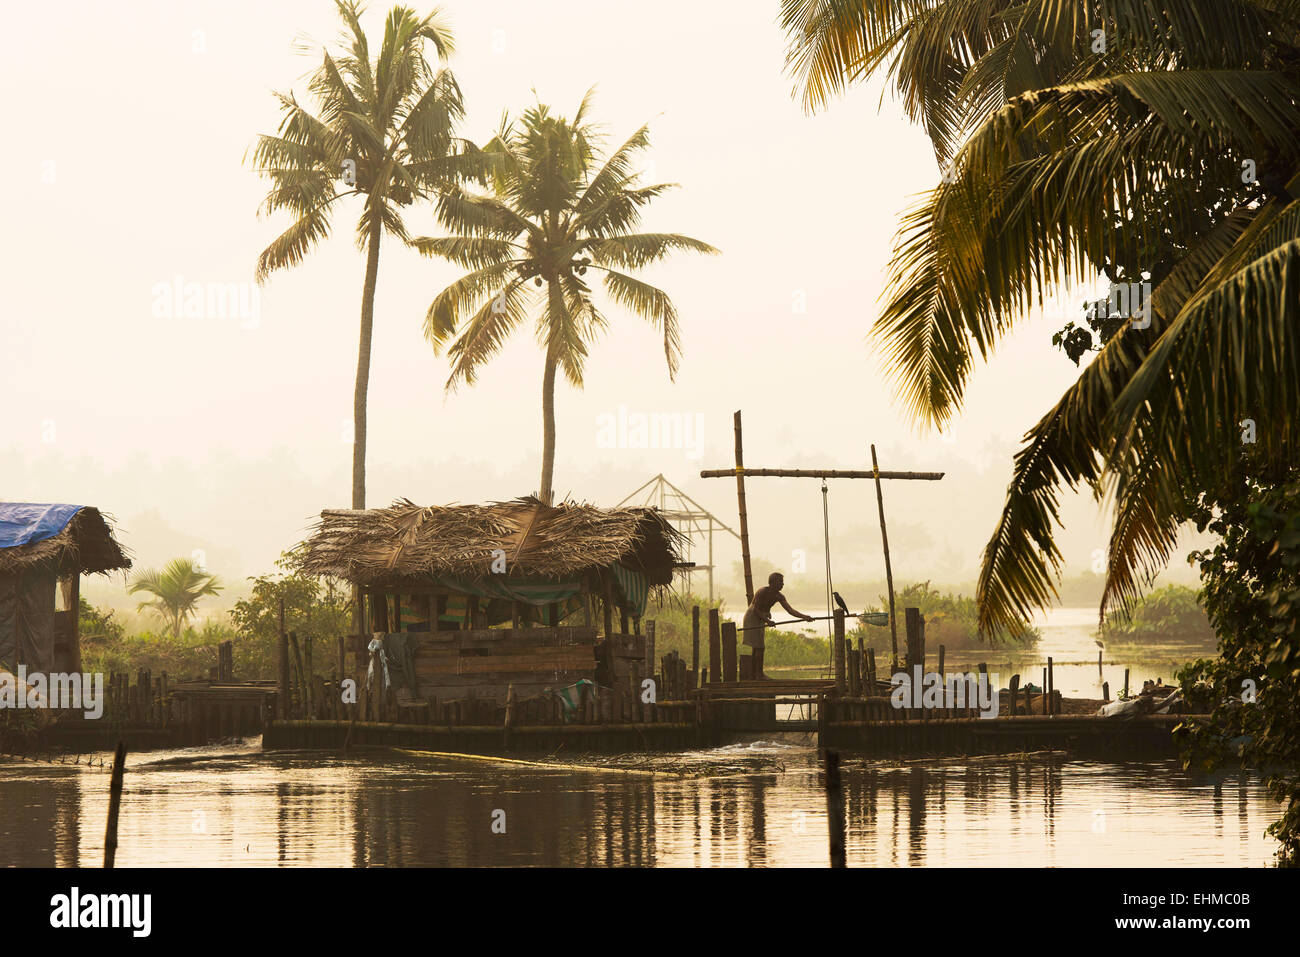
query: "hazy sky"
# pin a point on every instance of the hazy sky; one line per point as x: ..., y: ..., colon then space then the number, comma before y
x: 127, y: 167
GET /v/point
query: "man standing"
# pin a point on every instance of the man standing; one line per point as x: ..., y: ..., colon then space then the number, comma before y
x: 759, y: 615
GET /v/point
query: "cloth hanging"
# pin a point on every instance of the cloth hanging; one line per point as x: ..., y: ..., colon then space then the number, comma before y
x: 400, y: 648
x: 635, y: 587
x: 376, y: 649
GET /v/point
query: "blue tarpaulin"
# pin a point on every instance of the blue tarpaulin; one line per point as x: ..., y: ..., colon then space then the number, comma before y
x: 22, y: 523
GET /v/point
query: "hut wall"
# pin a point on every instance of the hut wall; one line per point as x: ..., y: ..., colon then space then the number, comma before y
x: 27, y: 620
x: 483, y: 663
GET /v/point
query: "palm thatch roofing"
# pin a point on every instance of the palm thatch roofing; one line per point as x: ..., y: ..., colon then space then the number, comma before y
x: 85, y: 545
x: 407, y: 542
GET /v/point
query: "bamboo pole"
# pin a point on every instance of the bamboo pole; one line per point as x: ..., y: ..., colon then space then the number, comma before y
x: 695, y: 640
x: 744, y: 516
x: 889, y: 571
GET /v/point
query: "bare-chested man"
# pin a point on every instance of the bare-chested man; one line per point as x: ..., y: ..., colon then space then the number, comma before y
x: 759, y: 615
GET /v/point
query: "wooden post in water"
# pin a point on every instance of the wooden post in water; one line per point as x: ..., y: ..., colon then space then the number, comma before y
x: 715, y: 647
x: 1046, y: 696
x: 695, y: 640
x: 1105, y: 691
x: 1051, y: 703
x: 1125, y: 682
x: 744, y: 516
x: 728, y: 651
x: 839, y: 651
x: 1099, y: 663
x: 942, y: 676
x: 835, y: 808
x: 915, y: 638
x: 114, y: 802
x: 871, y: 668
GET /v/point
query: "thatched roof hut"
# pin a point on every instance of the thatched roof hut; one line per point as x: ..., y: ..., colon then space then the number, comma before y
x: 476, y: 599
x: 58, y: 540
x: 46, y: 549
x: 522, y: 539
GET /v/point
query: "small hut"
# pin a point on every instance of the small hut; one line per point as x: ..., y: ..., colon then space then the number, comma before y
x: 44, y: 551
x: 470, y: 599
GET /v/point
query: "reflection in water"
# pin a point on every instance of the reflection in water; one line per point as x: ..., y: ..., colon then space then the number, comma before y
x: 214, y: 807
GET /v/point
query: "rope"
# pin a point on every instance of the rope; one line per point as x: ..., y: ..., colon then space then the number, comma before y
x: 826, y: 538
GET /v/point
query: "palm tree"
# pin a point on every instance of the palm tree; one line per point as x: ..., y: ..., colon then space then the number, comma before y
x: 383, y: 130
x: 554, y: 212
x: 176, y: 590
x: 1152, y: 141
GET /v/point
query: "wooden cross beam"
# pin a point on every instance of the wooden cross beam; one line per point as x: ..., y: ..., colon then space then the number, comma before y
x: 740, y: 472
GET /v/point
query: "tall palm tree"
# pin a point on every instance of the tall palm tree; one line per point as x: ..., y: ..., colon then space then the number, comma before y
x: 1150, y: 141
x: 555, y: 211
x: 384, y: 130
x: 176, y: 590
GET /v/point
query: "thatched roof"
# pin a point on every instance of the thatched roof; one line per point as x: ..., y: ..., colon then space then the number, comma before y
x: 85, y: 545
x: 406, y: 542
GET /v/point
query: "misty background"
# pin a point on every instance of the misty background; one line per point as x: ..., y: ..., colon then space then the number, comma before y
x: 228, y: 436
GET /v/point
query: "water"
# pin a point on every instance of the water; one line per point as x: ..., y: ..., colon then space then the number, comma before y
x: 758, y: 804
x: 746, y: 805
x: 1067, y: 635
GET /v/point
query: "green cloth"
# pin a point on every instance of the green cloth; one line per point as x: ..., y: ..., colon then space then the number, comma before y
x: 635, y: 587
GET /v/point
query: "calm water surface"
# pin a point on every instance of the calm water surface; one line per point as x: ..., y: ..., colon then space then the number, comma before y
x: 745, y: 805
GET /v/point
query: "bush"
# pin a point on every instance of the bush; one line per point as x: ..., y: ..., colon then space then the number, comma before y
x: 950, y: 620
x: 1171, y: 613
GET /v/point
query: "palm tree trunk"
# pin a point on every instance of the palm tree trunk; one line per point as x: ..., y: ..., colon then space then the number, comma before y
x: 545, y: 492
x: 363, y: 366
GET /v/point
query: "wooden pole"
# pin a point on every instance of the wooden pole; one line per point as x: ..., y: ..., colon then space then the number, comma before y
x: 915, y: 626
x: 889, y: 571
x: 650, y: 653
x: 695, y: 640
x: 114, y: 803
x: 1105, y: 691
x: 1125, y: 682
x: 835, y: 809
x: 715, y: 648
x: 282, y: 682
x: 728, y: 651
x: 824, y: 474
x: 1051, y: 704
x: 744, y: 516
x: 839, y: 651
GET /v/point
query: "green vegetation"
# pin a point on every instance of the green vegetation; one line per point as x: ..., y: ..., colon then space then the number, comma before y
x: 1252, y: 595
x: 1122, y: 140
x: 555, y: 211
x: 673, y: 633
x: 316, y: 607
x: 312, y: 606
x: 176, y: 591
x: 1169, y: 614
x: 951, y: 620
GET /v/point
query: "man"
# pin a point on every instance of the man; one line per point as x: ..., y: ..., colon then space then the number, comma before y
x: 759, y: 615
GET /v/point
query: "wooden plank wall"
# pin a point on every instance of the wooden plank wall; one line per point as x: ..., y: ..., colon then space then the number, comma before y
x: 483, y: 663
